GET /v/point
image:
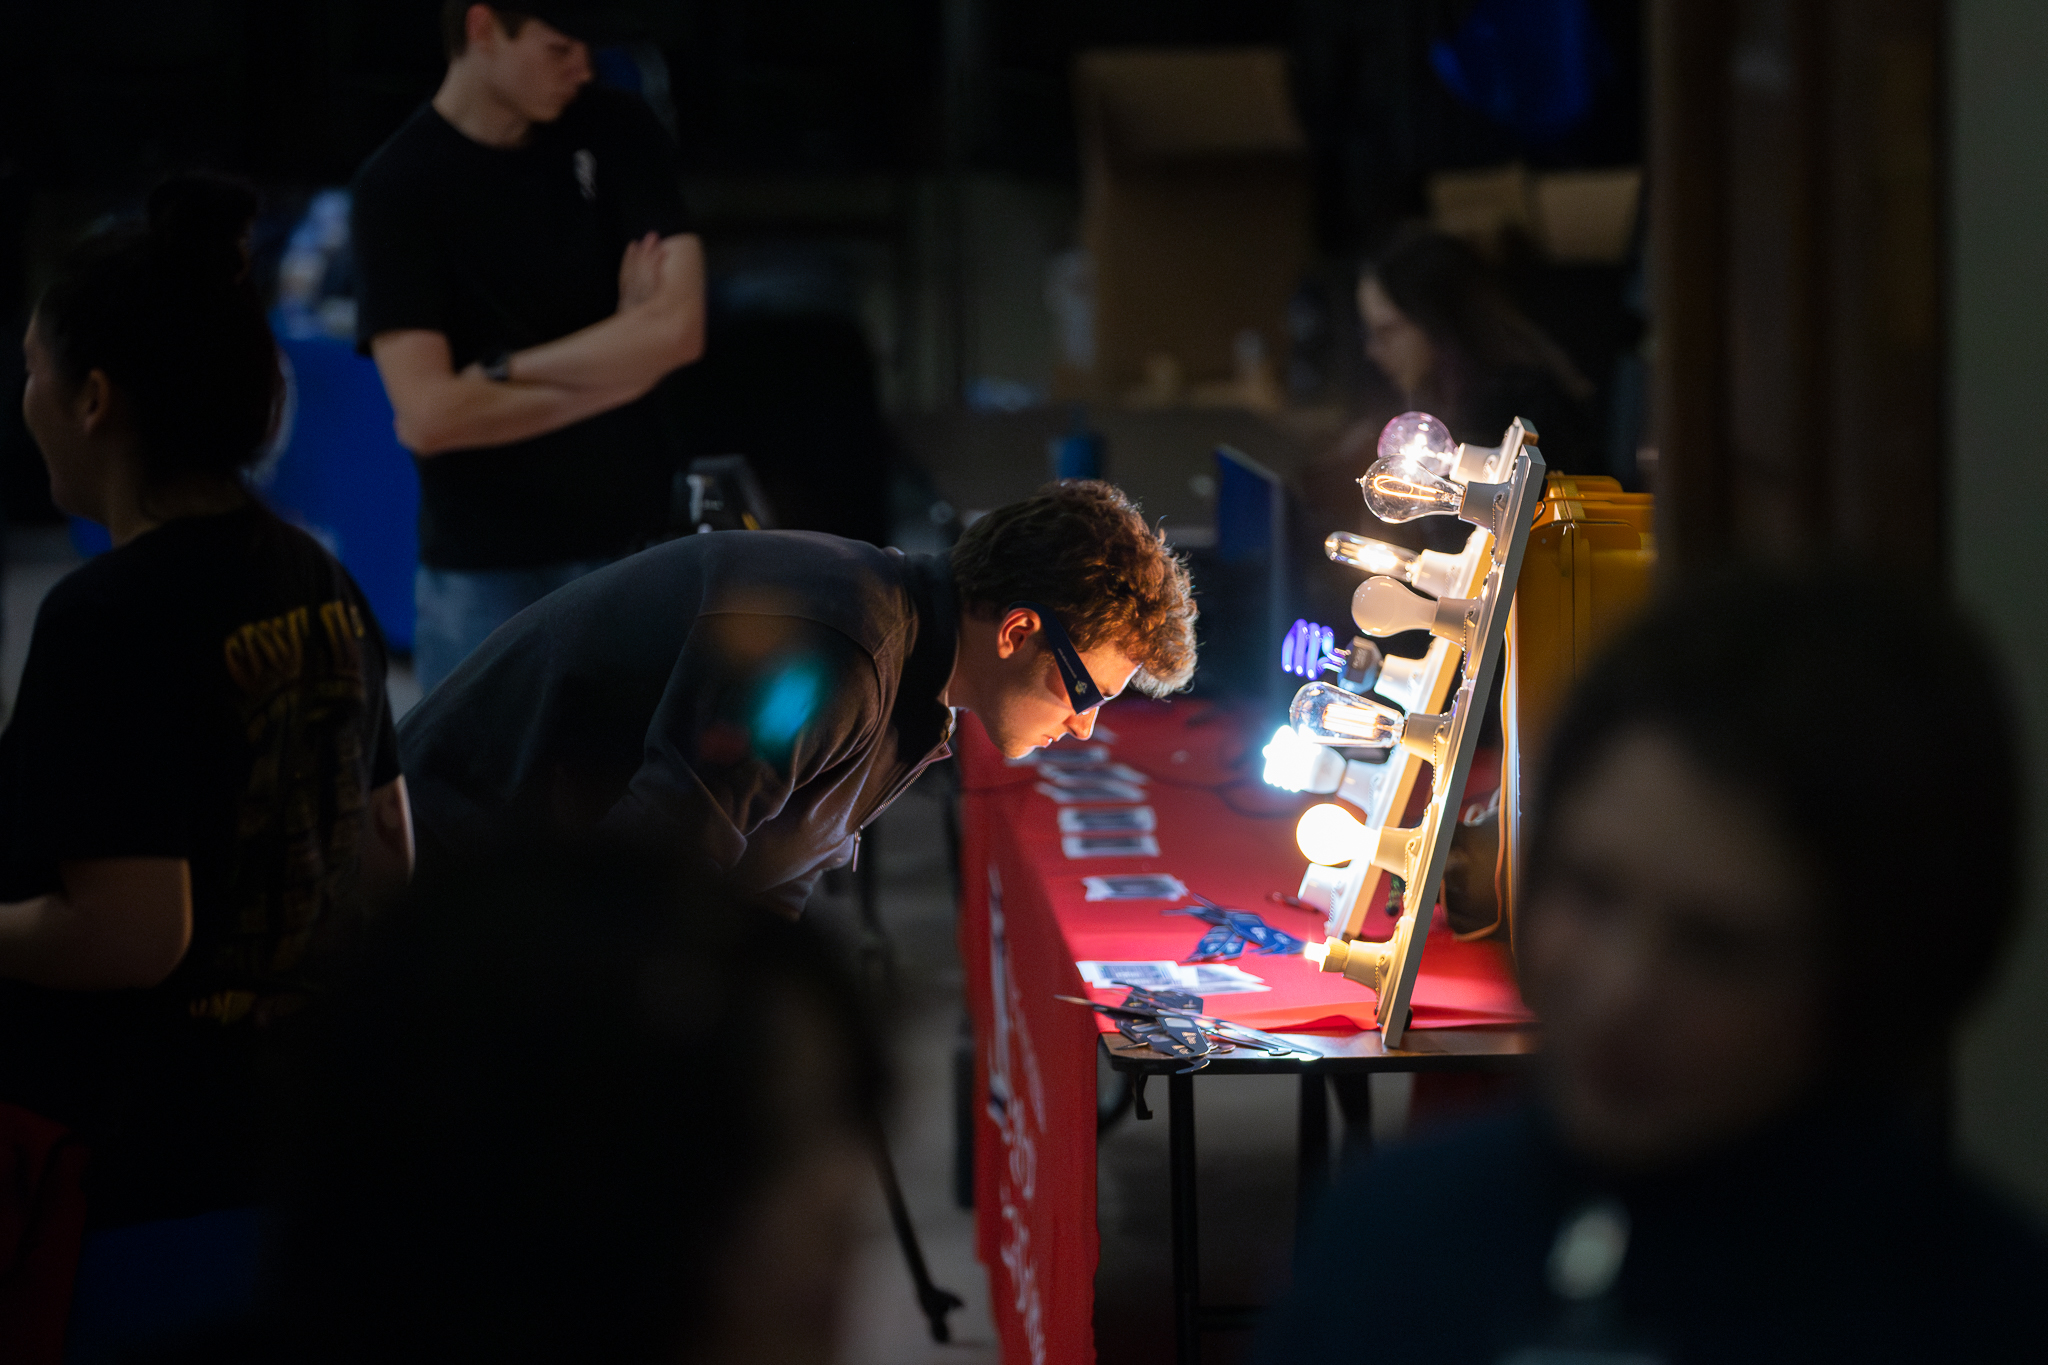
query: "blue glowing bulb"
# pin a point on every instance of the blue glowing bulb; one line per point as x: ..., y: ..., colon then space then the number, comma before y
x: 1309, y: 649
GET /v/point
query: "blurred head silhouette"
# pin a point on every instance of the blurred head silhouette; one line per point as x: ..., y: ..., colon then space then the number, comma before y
x: 569, y: 1110
x: 1764, y: 862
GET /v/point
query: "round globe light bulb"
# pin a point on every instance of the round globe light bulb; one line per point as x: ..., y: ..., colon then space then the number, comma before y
x: 1327, y: 714
x: 1328, y: 835
x: 1421, y: 439
x: 1401, y: 490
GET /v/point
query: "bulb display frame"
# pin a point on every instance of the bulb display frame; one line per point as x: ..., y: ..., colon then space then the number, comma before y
x: 1468, y: 617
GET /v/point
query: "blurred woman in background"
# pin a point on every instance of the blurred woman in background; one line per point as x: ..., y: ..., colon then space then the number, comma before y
x: 1439, y: 326
x: 1755, y: 911
x: 199, y: 785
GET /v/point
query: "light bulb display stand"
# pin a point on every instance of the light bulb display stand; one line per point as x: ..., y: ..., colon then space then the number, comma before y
x: 1471, y: 626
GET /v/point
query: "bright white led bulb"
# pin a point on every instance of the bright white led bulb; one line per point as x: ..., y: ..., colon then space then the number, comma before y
x: 1326, y: 714
x: 1327, y: 834
x: 1295, y: 763
x: 1420, y: 439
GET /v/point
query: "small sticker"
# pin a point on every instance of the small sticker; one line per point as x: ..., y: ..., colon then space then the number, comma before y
x: 1220, y: 944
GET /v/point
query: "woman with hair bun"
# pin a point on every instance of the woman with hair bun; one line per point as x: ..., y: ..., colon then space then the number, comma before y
x: 199, y: 785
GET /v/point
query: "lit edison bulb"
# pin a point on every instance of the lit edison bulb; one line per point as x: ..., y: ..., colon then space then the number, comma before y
x: 1328, y: 835
x: 1402, y: 490
x: 1434, y: 573
x: 1371, y: 556
x: 1327, y: 714
x: 1420, y: 439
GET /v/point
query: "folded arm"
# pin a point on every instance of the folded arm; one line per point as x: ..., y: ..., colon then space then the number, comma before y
x: 119, y: 923
x: 603, y: 366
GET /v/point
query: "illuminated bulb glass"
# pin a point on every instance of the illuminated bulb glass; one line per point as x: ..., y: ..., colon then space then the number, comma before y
x: 1371, y: 556
x: 1309, y: 649
x: 1419, y: 438
x: 1383, y: 606
x: 1402, y: 490
x: 1327, y: 714
x: 1295, y: 763
x: 1328, y: 835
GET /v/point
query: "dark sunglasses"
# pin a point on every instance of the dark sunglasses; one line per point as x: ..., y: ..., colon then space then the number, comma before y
x: 1082, y: 692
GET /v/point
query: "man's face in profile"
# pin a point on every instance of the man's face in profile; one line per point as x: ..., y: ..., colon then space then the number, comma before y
x: 538, y: 72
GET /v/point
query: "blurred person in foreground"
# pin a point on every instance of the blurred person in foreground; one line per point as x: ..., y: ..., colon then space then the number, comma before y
x: 566, y: 1109
x: 199, y: 786
x: 527, y: 279
x: 1755, y: 910
x: 746, y: 702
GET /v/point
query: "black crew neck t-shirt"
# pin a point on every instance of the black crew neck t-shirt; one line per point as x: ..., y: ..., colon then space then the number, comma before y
x: 500, y: 249
x: 213, y: 691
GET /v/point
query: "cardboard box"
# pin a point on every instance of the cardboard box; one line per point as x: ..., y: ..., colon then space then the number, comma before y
x: 1572, y: 217
x: 1196, y: 214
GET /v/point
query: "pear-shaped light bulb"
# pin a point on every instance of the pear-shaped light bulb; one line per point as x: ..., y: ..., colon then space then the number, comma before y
x: 1371, y: 556
x: 1402, y: 490
x: 1384, y: 606
x: 1327, y: 714
x: 1420, y: 439
x: 1327, y: 834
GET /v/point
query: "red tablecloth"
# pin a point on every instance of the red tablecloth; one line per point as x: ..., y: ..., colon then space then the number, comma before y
x: 1025, y: 921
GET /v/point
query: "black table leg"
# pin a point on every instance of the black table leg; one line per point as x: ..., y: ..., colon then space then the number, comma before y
x: 1312, y: 1162
x: 1187, y: 1260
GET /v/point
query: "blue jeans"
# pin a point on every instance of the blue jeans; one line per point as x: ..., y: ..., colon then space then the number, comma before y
x: 458, y: 608
x: 149, y: 1282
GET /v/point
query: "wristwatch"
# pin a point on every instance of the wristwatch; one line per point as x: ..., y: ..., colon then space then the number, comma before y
x: 498, y: 369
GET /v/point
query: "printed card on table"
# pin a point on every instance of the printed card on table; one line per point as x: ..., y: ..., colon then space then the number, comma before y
x: 1143, y: 886
x: 1092, y: 793
x: 1107, y: 820
x: 1202, y: 979
x: 1099, y: 772
x: 1109, y: 846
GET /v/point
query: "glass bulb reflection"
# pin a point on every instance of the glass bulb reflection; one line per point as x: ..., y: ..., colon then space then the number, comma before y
x: 1327, y: 834
x: 1327, y: 714
x: 1371, y: 556
x: 1402, y: 490
x: 1419, y: 438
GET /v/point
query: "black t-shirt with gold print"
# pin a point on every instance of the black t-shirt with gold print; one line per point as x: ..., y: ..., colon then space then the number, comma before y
x: 212, y: 691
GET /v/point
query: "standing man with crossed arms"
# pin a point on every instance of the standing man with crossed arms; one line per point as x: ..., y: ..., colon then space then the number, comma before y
x: 526, y: 281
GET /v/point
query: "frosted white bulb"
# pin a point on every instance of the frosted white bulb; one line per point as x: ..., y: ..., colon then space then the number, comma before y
x: 1383, y: 606
x: 1420, y: 439
x: 1327, y: 834
x: 1402, y: 490
x: 1327, y: 714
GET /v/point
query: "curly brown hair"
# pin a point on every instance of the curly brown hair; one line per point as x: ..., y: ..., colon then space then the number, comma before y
x: 1080, y: 547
